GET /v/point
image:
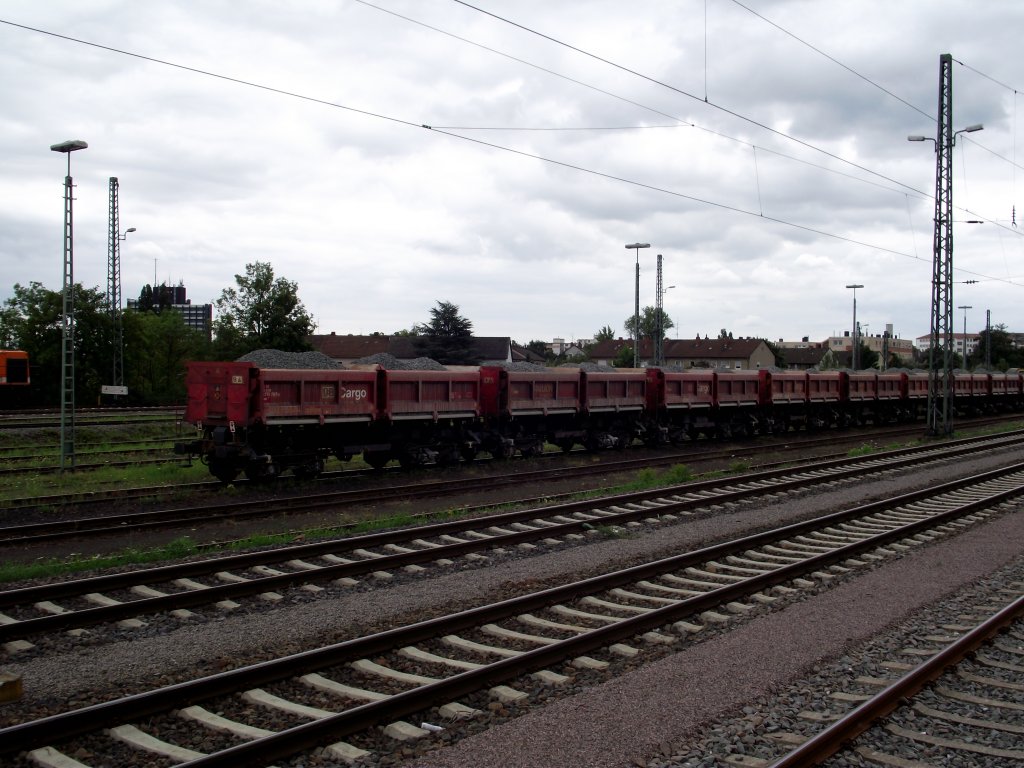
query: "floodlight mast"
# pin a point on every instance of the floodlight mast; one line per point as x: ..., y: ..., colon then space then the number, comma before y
x: 636, y: 311
x: 67, y: 379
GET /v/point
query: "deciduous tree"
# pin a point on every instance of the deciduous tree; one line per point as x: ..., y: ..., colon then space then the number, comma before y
x: 261, y: 313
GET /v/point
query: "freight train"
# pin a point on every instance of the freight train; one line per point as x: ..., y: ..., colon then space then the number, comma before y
x: 15, y: 379
x: 264, y: 421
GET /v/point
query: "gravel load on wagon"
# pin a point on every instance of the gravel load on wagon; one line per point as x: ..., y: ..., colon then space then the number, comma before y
x: 391, y: 363
x: 275, y: 358
x: 521, y: 365
x: 594, y: 367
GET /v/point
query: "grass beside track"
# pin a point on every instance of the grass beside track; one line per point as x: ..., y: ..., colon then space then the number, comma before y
x: 102, y: 479
x: 184, y: 547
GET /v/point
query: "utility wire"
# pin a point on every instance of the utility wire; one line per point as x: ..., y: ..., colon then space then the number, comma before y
x: 728, y: 111
x: 681, y: 92
x: 834, y: 60
x: 511, y: 150
x: 681, y: 122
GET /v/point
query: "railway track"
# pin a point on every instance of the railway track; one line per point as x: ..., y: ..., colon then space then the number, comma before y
x: 43, y: 418
x: 124, y: 524
x: 963, y: 699
x: 732, y: 451
x: 174, y: 590
x: 333, y: 698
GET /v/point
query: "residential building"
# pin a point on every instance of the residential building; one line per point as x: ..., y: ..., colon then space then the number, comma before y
x: 964, y: 344
x: 743, y: 354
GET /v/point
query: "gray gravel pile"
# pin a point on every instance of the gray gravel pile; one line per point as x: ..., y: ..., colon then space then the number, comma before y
x: 523, y: 366
x: 275, y: 358
x: 391, y: 363
x: 594, y: 367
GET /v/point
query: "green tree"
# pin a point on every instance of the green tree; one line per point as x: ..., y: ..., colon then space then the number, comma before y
x: 155, y: 298
x: 447, y: 338
x: 1003, y: 354
x: 648, y: 323
x: 868, y: 357
x: 262, y: 313
x: 539, y: 348
x: 624, y: 357
x: 778, y: 352
x: 32, y: 320
x: 606, y: 333
x: 157, y: 345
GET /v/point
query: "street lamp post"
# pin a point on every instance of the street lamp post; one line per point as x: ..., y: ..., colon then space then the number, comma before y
x: 67, y: 379
x: 965, y: 307
x: 636, y: 310
x: 855, y: 354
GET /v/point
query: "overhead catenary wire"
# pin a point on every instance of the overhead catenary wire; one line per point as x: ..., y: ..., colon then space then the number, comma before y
x: 680, y: 122
x: 680, y: 91
x: 413, y: 124
x: 733, y: 113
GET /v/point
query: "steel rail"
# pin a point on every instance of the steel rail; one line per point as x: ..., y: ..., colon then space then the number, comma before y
x: 212, y: 594
x: 38, y: 733
x: 826, y: 743
x: 54, y: 531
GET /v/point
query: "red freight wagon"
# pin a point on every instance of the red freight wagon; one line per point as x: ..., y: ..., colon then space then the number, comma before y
x: 917, y: 385
x: 314, y: 396
x: 620, y: 391
x: 890, y: 385
x: 220, y: 393
x: 741, y: 388
x: 824, y: 386
x: 970, y: 385
x: 681, y: 390
x: 555, y: 391
x: 433, y: 395
x: 999, y: 384
x: 861, y: 386
x: 1014, y: 383
x: 788, y: 387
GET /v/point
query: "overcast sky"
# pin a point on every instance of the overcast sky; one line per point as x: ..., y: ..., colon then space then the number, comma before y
x: 761, y: 148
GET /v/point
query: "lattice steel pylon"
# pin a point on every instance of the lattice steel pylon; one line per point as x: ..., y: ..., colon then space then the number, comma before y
x: 940, y: 381
x: 659, y: 331
x: 114, y: 286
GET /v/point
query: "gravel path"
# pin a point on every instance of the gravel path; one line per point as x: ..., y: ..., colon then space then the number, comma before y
x: 623, y: 722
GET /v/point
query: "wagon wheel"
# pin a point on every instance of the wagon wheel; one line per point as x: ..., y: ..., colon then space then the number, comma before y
x: 409, y: 461
x: 448, y: 455
x: 225, y: 471
x: 376, y: 459
x: 565, y: 444
x: 258, y: 472
x: 536, y: 448
x: 502, y: 451
x: 309, y: 470
x: 468, y: 453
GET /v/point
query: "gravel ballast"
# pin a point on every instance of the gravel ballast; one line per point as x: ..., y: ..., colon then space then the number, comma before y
x: 660, y: 707
x: 622, y: 722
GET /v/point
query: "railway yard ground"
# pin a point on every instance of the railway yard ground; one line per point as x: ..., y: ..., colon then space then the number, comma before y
x: 736, y: 685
